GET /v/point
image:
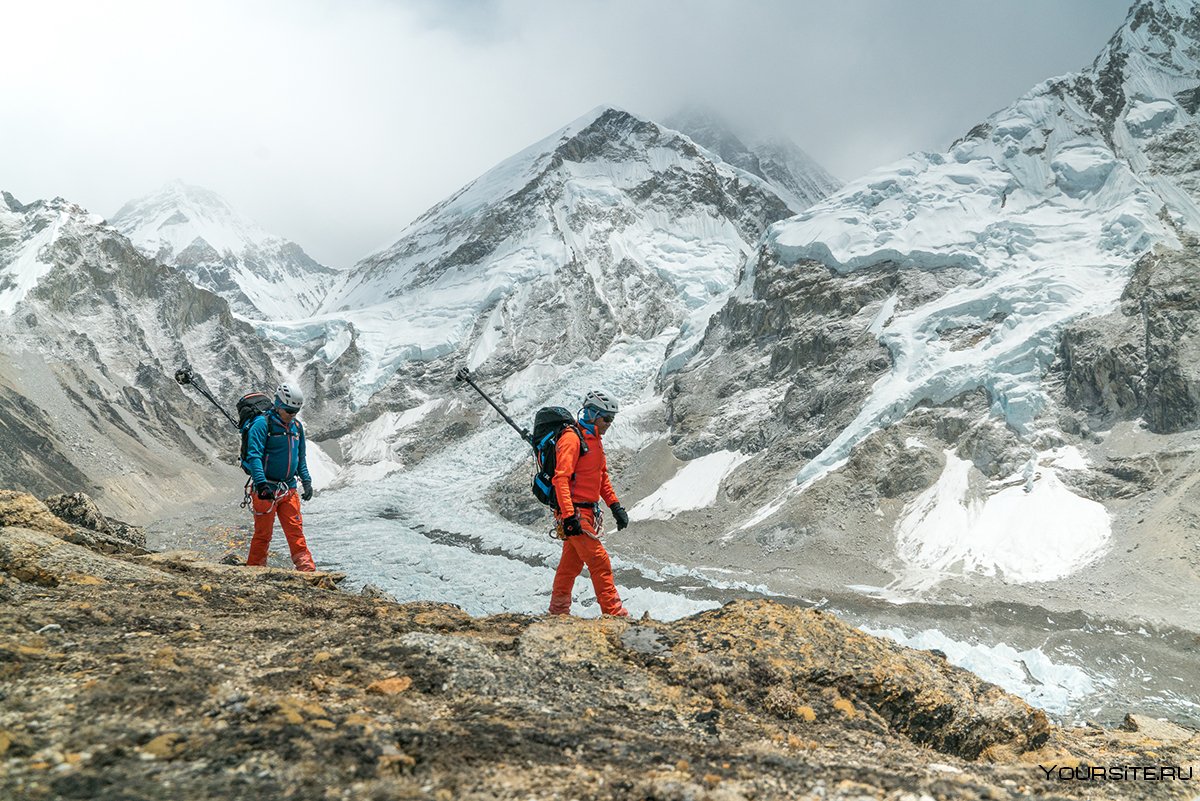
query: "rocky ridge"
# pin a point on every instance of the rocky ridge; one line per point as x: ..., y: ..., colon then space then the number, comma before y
x: 127, y: 674
x: 93, y: 333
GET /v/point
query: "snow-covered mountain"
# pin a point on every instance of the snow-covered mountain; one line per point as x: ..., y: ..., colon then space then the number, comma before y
x: 892, y: 359
x: 92, y: 334
x: 612, y: 229
x: 263, y: 276
x: 794, y: 174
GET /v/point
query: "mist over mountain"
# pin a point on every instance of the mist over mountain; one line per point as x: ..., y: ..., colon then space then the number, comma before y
x: 779, y: 161
x: 262, y: 276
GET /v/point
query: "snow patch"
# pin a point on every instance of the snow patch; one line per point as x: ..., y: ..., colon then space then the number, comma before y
x: 1082, y: 169
x: 21, y: 274
x: 321, y: 467
x: 884, y: 316
x: 1026, y: 528
x: 695, y: 486
x: 1147, y: 117
x: 1067, y: 457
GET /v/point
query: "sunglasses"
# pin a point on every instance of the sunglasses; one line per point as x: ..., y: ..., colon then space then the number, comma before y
x: 289, y: 409
x: 608, y: 418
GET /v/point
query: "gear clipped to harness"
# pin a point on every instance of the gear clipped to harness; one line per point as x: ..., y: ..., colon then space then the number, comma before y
x: 548, y: 425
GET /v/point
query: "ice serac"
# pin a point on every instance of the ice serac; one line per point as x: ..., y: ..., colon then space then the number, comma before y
x: 947, y: 274
x: 612, y: 228
x: 92, y: 333
x: 261, y: 275
x: 779, y: 161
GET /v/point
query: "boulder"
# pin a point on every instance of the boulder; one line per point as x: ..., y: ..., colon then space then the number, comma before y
x: 22, y: 510
x: 45, y: 558
x: 751, y: 648
x: 78, y: 509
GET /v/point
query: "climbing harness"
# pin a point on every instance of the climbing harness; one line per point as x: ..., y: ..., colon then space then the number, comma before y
x: 281, y: 491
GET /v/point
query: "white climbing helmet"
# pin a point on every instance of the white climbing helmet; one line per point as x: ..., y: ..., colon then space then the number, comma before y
x: 601, y: 401
x: 290, y: 397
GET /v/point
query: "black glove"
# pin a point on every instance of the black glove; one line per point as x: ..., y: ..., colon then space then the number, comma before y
x: 620, y: 515
x: 265, y: 491
x: 307, y: 494
x: 571, y: 525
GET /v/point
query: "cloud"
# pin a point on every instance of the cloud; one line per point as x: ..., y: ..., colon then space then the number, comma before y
x: 335, y: 124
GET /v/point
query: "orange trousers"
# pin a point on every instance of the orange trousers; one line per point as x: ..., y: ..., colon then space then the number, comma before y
x: 583, y: 550
x: 290, y: 520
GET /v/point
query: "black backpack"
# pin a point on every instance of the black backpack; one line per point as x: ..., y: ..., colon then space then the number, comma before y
x: 548, y: 425
x: 249, y: 408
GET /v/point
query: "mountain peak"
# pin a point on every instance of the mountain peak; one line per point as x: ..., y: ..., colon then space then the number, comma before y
x: 613, y: 227
x: 262, y: 275
x: 178, y: 213
x: 775, y: 158
x: 1157, y: 50
x: 196, y: 195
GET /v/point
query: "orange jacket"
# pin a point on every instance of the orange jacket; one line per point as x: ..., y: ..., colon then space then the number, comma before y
x: 580, y: 479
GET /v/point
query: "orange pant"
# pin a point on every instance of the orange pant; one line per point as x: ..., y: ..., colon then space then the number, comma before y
x: 583, y: 550
x: 288, y: 509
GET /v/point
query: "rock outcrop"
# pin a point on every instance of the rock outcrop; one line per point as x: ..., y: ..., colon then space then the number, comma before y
x: 22, y: 510
x: 1141, y: 360
x: 92, y: 528
x: 123, y: 675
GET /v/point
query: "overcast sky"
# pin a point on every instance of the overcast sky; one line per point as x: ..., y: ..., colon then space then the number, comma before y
x: 336, y: 123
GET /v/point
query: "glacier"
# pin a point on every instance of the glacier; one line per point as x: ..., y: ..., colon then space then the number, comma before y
x: 1043, y: 210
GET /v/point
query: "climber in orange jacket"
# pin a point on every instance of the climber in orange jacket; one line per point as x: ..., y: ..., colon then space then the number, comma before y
x: 580, y: 482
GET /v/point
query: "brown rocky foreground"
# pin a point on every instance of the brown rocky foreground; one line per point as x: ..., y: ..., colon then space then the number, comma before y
x: 126, y: 674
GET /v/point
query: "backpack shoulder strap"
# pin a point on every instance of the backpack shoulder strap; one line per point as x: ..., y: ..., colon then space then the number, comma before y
x: 583, y: 448
x: 280, y: 430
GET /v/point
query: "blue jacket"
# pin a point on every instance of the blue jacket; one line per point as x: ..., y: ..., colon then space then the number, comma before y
x: 275, y: 452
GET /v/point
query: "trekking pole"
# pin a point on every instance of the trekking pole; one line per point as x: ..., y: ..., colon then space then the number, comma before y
x: 185, y: 376
x: 465, y: 375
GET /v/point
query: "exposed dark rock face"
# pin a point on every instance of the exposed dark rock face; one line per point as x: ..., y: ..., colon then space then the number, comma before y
x: 802, y: 341
x: 33, y: 461
x: 892, y: 467
x: 1142, y: 360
